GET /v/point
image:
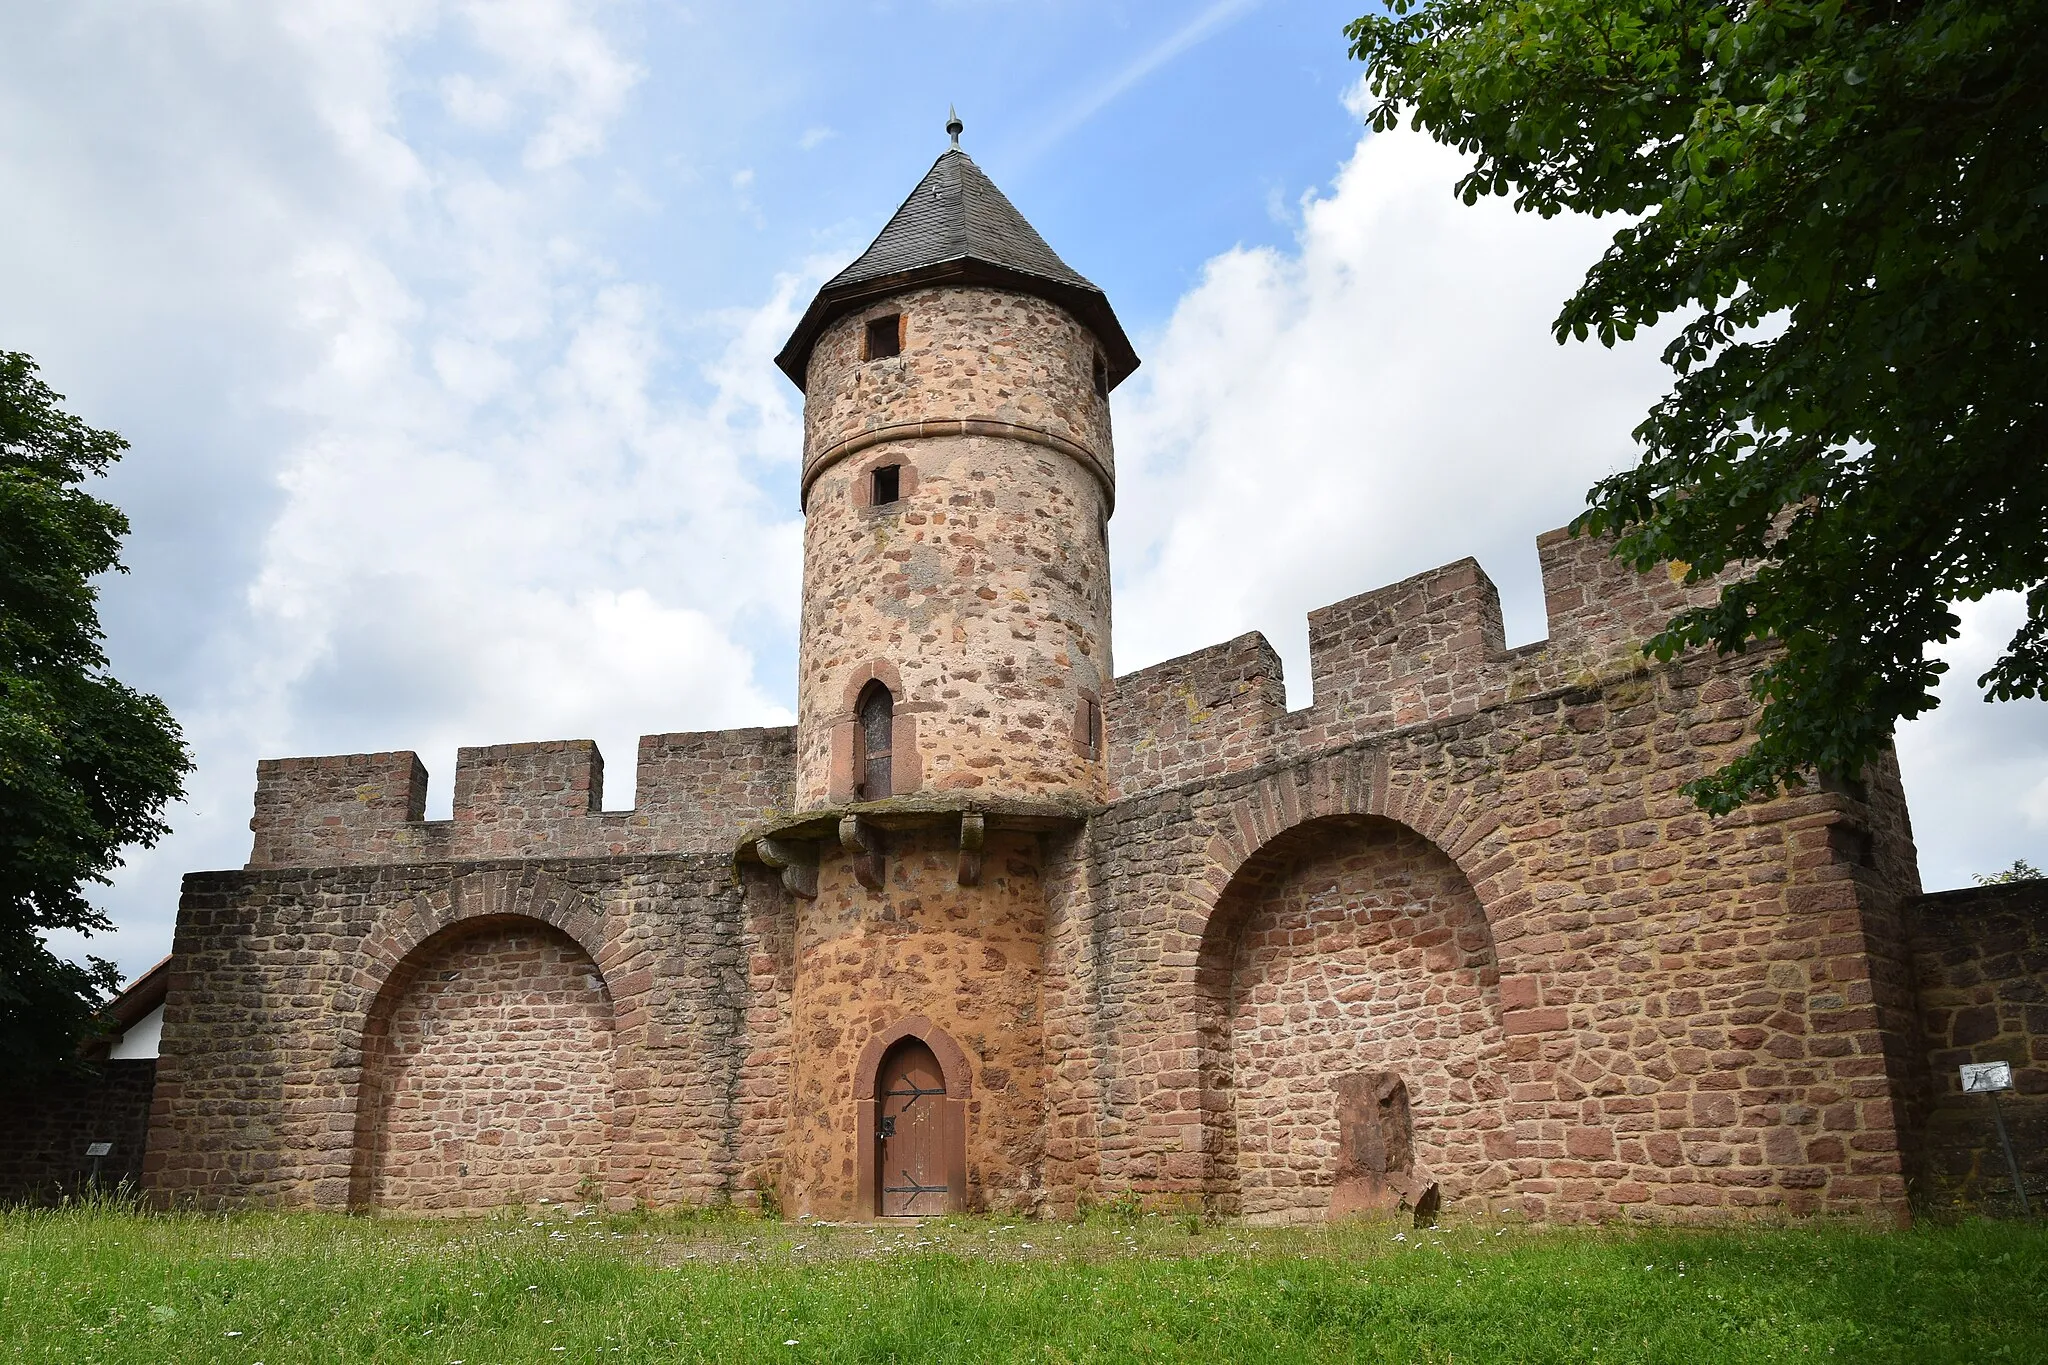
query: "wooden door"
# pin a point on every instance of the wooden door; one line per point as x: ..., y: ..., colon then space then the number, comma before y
x: 911, y: 1170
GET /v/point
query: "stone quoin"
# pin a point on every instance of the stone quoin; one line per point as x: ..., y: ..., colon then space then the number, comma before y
x: 993, y: 928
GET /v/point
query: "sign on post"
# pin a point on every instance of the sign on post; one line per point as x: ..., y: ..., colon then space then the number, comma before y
x: 1982, y: 1078
x: 99, y: 1149
x: 1988, y: 1078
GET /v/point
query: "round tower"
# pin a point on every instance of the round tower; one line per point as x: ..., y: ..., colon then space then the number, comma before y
x: 957, y: 485
x: 958, y: 479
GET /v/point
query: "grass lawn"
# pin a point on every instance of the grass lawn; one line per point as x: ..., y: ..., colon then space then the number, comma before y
x: 557, y: 1284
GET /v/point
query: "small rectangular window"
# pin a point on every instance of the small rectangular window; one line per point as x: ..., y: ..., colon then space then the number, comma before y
x: 1088, y: 726
x: 885, y: 337
x: 1101, y: 375
x: 888, y: 485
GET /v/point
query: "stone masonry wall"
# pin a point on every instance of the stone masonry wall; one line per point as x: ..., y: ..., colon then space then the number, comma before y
x: 968, y: 958
x: 45, y: 1129
x: 1425, y: 649
x: 1697, y: 1017
x: 1202, y: 715
x: 1353, y: 946
x: 487, y: 1074
x: 695, y: 793
x: 985, y: 590
x: 277, y: 976
x: 969, y: 354
x: 1981, y: 965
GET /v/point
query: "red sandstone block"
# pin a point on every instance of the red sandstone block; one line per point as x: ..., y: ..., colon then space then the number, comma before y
x: 1552, y: 1020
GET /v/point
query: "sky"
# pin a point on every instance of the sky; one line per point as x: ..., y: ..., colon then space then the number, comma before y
x: 441, y: 332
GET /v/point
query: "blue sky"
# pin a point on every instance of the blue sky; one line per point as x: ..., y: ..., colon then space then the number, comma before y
x: 441, y: 331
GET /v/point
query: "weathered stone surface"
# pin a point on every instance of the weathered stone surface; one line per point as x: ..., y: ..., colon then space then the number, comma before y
x: 46, y: 1128
x: 981, y: 596
x: 488, y: 1073
x: 1980, y: 959
x: 1160, y: 933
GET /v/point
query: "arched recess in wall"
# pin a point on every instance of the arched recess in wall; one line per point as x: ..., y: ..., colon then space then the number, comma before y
x: 488, y: 1072
x: 1348, y: 1012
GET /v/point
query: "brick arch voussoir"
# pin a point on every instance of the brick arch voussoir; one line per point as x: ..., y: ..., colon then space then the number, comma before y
x: 1357, y: 784
x: 512, y: 894
x: 953, y: 1063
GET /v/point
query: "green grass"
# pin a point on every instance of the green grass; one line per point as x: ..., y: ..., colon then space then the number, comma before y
x: 553, y: 1285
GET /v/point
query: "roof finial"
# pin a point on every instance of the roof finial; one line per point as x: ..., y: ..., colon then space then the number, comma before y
x: 954, y: 126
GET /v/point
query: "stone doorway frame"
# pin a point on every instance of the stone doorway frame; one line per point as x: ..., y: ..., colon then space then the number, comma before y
x: 959, y: 1082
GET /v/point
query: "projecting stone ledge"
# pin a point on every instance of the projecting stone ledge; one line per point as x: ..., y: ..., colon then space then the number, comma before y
x: 793, y: 844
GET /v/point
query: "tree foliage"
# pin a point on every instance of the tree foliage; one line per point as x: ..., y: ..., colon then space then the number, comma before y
x: 86, y: 763
x: 1844, y: 208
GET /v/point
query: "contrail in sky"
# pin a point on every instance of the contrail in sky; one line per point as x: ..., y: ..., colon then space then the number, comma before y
x: 1186, y: 36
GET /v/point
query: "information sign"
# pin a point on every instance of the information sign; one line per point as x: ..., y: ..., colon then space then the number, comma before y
x: 1980, y: 1078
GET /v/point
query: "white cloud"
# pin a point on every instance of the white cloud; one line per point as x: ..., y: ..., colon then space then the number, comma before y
x: 470, y: 493
x: 1974, y: 770
x: 1383, y: 398
x: 554, y: 55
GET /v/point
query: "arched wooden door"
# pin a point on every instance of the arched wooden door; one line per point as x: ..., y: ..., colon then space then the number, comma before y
x: 914, y: 1146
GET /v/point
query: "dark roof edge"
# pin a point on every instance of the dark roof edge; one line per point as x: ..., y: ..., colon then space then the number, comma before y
x: 139, y: 996
x: 1089, y: 306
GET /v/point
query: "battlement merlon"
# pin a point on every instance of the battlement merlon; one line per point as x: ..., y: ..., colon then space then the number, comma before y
x: 1601, y: 612
x: 1410, y: 651
x: 1424, y: 649
x: 695, y: 792
x: 1202, y: 714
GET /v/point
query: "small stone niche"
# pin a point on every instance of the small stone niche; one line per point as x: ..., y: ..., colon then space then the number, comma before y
x: 1376, y: 1168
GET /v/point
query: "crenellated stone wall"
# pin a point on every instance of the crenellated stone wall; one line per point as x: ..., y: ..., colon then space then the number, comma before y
x: 694, y: 794
x: 1463, y: 870
x: 1691, y: 1018
x: 286, y: 984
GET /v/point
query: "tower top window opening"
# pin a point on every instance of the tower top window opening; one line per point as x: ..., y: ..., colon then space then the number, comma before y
x: 887, y: 485
x: 1101, y: 375
x: 884, y: 337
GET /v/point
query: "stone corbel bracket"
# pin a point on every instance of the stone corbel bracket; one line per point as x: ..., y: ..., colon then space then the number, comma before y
x: 863, y: 844
x: 795, y: 859
x: 973, y: 833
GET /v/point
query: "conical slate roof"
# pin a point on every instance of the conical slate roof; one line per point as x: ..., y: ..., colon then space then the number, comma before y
x: 957, y: 227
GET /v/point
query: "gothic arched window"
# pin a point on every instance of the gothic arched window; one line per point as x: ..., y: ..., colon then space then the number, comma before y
x: 877, y: 712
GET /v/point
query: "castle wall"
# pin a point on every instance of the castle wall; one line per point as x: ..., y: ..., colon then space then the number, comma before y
x: 1467, y: 867
x: 1980, y: 959
x: 1357, y: 947
x: 487, y: 1074
x: 46, y: 1127
x: 278, y: 976
x: 1697, y: 1017
x: 967, y: 958
x: 1420, y: 651
x: 694, y: 794
x: 1201, y: 715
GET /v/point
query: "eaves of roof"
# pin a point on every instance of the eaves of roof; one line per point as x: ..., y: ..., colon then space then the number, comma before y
x: 956, y: 227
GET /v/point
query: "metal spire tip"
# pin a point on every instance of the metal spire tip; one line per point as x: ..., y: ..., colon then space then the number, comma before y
x: 954, y: 126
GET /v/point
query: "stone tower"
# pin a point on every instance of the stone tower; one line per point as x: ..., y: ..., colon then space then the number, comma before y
x: 957, y: 486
